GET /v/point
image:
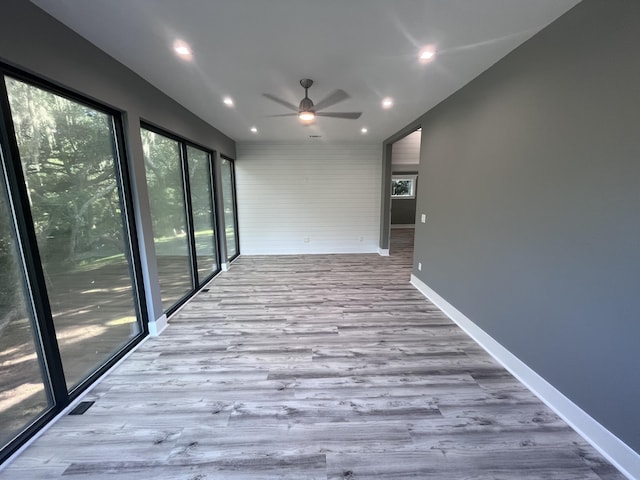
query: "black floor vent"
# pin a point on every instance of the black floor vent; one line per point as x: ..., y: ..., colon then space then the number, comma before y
x: 204, y: 290
x: 81, y: 408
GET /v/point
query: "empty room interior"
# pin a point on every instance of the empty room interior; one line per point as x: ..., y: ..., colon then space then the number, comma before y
x: 307, y: 239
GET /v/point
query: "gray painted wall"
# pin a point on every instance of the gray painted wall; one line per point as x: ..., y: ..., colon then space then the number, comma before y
x: 531, y: 186
x: 35, y: 42
x: 403, y: 211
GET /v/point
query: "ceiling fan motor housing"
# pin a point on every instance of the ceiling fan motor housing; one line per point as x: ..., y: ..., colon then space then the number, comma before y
x: 306, y: 105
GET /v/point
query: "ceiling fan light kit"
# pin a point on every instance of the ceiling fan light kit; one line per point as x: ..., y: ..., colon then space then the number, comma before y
x: 307, y: 116
x: 307, y: 111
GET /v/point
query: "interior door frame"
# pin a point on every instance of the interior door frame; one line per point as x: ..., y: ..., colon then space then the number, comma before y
x: 385, y: 201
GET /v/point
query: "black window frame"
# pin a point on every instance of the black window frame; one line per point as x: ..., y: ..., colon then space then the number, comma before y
x: 196, y: 282
x: 236, y: 230
x: 12, y: 173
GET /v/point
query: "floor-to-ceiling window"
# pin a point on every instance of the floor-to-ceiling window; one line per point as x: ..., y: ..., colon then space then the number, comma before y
x: 24, y: 386
x: 162, y: 160
x: 229, y: 205
x: 180, y: 189
x: 201, y: 189
x: 69, y: 164
x: 70, y: 303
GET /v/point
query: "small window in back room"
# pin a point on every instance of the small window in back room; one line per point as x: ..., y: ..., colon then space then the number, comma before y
x: 403, y: 186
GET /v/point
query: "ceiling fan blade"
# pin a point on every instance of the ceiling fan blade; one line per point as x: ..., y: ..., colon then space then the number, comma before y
x: 347, y: 115
x: 284, y: 103
x: 284, y: 115
x: 332, y: 99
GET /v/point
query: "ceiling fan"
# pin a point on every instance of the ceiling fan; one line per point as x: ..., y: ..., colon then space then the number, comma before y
x: 307, y: 111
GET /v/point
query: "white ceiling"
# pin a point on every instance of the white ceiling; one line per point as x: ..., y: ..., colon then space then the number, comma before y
x: 369, y: 48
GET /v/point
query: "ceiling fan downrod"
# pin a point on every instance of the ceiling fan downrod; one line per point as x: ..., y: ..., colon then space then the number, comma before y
x: 306, y: 112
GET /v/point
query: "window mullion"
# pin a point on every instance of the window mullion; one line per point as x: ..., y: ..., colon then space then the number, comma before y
x: 189, y: 214
x: 30, y: 255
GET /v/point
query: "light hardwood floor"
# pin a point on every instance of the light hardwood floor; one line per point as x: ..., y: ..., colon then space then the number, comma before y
x: 312, y: 367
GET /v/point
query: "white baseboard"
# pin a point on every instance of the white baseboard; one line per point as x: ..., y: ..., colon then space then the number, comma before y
x: 284, y: 250
x: 383, y: 252
x: 623, y: 457
x: 224, y: 267
x: 157, y: 327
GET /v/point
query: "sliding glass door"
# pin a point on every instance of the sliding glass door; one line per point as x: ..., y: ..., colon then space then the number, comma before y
x: 230, y: 213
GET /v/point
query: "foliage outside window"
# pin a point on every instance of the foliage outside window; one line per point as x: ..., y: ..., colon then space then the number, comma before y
x: 228, y: 196
x: 403, y: 186
x: 71, y: 167
x: 202, y: 211
x: 162, y: 159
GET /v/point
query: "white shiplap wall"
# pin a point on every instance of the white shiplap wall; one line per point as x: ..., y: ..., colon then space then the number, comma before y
x: 328, y: 195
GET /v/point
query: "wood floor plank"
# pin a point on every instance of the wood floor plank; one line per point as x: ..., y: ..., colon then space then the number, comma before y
x: 205, y: 444
x: 312, y: 367
x: 289, y: 467
x: 317, y: 411
x: 526, y: 464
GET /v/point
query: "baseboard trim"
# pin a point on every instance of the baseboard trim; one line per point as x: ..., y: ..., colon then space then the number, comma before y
x: 368, y: 250
x: 383, y: 252
x: 157, y: 327
x: 623, y: 457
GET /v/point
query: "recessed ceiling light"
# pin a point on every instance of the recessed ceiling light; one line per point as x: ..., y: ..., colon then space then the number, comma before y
x: 387, y: 103
x: 228, y: 101
x: 254, y: 130
x: 364, y: 130
x: 183, y: 49
x: 427, y: 54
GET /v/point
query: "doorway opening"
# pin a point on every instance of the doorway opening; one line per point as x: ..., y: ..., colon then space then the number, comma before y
x: 405, y: 161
